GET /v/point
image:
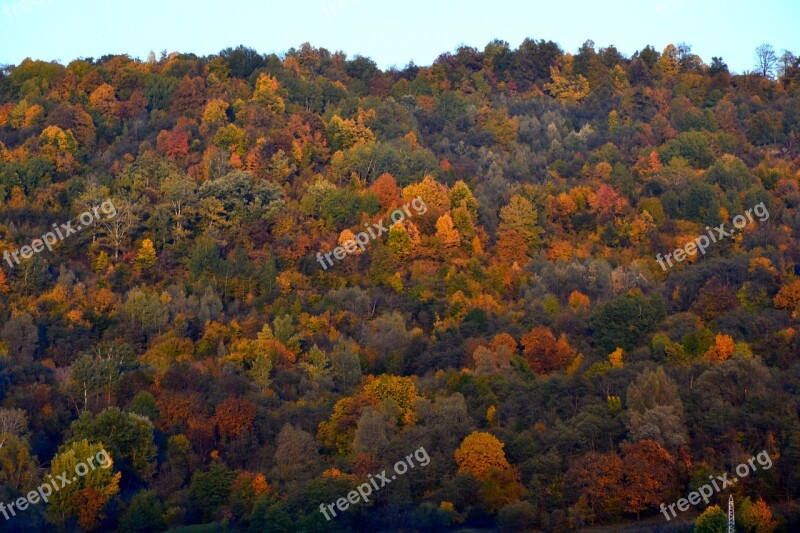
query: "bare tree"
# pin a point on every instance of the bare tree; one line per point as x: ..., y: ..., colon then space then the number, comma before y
x: 787, y: 61
x: 766, y: 60
x: 117, y: 226
x: 13, y: 422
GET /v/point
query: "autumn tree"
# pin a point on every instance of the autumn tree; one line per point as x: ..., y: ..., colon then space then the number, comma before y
x: 267, y: 94
x: 755, y: 517
x: 545, y: 353
x: 234, y: 417
x: 789, y: 297
x: 86, y: 497
x: 597, y: 478
x: 446, y: 233
x: 387, y: 191
x: 723, y: 348
x: 520, y: 217
x: 567, y: 87
x: 146, y: 256
x: 479, y: 453
x: 649, y: 476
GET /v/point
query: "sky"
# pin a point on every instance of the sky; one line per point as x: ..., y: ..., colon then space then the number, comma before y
x: 391, y: 33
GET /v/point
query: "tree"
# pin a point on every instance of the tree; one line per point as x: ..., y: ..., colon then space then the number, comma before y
x: 209, y: 489
x: 400, y: 390
x: 649, y: 476
x: 387, y: 191
x: 656, y: 411
x: 724, y: 347
x: 372, y: 432
x: 597, y: 478
x: 13, y: 423
x: 789, y: 297
x: 145, y: 308
x: 118, y: 226
x: 95, y: 377
x: 520, y: 216
x: 480, y: 452
x: 86, y: 496
x: 492, y: 361
x: 146, y: 256
x: 242, y: 61
x: 294, y: 448
x: 713, y: 520
x: 755, y: 517
x: 18, y: 468
x: 446, y: 233
x: 21, y: 337
x: 266, y: 94
x: 567, y: 87
x: 766, y: 60
x: 346, y: 363
x: 481, y: 455
x: 145, y: 513
x: 127, y: 436
x: 626, y: 321
x: 181, y: 193
x: 234, y: 417
x: 544, y: 353
x: 260, y: 370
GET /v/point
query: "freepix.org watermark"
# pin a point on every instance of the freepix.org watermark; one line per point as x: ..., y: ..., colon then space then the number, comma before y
x: 365, y: 489
x: 705, y: 492
x: 702, y: 242
x: 25, y: 6
x: 50, y: 238
x: 362, y: 238
x: 44, y: 491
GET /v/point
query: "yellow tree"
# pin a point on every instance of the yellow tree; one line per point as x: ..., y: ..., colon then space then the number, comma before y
x: 722, y: 349
x: 103, y: 99
x: 348, y: 241
x: 668, y: 62
x: 146, y: 256
x: 566, y: 87
x: 520, y: 216
x: 446, y: 232
x: 434, y: 194
x: 616, y: 358
x: 87, y: 495
x: 215, y: 114
x: 400, y: 390
x: 266, y: 94
x: 479, y: 453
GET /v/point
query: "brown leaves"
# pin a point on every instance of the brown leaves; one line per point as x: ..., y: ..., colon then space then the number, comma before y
x: 544, y: 353
x: 234, y: 417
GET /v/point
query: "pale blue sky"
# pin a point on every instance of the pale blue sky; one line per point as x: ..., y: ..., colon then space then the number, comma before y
x: 392, y: 33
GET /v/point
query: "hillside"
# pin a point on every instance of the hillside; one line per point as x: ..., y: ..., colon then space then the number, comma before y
x: 587, y: 306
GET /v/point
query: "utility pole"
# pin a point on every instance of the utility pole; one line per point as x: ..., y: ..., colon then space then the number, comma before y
x: 731, y: 521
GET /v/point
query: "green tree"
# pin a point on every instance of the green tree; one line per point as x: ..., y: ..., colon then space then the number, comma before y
x: 145, y: 513
x: 713, y: 520
x: 128, y: 437
x: 209, y: 489
x: 626, y: 321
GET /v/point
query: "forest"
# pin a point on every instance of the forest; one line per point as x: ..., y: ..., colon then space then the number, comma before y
x: 521, y: 330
